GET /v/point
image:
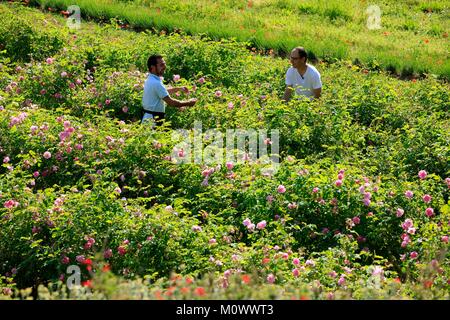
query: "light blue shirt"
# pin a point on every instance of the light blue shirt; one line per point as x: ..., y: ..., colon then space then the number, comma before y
x: 154, y: 92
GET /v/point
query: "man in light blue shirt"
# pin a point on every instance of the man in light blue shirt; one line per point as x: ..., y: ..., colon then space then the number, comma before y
x: 155, y: 93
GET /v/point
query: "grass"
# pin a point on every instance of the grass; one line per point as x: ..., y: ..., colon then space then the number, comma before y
x: 412, y: 38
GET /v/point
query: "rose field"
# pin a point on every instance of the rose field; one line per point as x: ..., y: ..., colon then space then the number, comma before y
x: 358, y: 207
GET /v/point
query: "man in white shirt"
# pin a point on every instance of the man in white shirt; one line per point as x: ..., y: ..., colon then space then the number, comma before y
x: 302, y: 77
x: 155, y: 93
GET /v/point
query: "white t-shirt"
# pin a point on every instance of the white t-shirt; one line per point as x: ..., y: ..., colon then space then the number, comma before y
x: 304, y: 85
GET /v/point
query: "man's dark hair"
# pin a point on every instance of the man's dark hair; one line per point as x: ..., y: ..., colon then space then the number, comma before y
x: 153, y: 60
x: 302, y: 52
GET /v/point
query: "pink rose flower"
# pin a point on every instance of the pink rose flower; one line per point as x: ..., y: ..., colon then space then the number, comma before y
x: 429, y: 212
x: 261, y: 225
x: 292, y: 205
x: 422, y: 174
x: 65, y: 260
x: 408, y: 223
x: 310, y: 263
x: 107, y: 253
x: 122, y: 250
x: 426, y: 198
x: 10, y: 203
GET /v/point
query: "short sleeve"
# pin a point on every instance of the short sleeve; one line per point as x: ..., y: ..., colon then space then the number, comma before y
x: 289, y: 81
x: 161, y: 91
x: 317, y: 83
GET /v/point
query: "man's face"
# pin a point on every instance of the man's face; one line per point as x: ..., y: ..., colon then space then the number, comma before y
x: 159, y: 68
x: 295, y: 59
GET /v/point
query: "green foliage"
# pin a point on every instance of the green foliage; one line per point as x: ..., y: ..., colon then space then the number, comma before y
x: 83, y: 183
x: 24, y: 41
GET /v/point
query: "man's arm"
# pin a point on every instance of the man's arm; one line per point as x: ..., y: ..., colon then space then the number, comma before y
x: 288, y: 93
x: 177, y: 89
x: 178, y: 104
x: 317, y: 93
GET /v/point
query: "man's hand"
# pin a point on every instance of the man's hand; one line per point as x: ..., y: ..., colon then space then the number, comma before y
x: 184, y: 89
x: 288, y: 93
x: 191, y: 102
x: 178, y: 89
x: 317, y: 93
x: 178, y: 104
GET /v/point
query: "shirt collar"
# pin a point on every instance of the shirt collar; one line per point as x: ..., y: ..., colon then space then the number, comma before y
x: 155, y: 76
x: 307, y: 70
